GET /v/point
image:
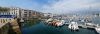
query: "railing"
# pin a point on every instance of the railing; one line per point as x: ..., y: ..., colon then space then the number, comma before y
x: 86, y: 26
x: 2, y: 24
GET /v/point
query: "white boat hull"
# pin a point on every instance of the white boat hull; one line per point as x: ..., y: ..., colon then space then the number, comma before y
x: 73, y: 26
x: 97, y: 30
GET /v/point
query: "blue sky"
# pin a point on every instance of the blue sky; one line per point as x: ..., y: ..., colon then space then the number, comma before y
x: 29, y: 4
x: 54, y: 6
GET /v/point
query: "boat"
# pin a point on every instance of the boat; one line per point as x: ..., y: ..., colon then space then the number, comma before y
x: 50, y: 19
x: 22, y: 21
x: 97, y: 30
x: 91, y: 25
x: 73, y: 26
x: 60, y: 23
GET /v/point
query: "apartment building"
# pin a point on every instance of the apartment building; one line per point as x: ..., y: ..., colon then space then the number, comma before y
x: 12, y: 11
x: 26, y: 14
x: 15, y: 11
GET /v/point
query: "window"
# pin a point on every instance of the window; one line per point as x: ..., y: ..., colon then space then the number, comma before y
x: 12, y: 12
x: 1, y: 20
x: 9, y: 13
x: 9, y: 19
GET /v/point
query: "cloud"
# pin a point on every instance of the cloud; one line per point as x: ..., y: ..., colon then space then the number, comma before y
x: 67, y: 6
x: 54, y: 6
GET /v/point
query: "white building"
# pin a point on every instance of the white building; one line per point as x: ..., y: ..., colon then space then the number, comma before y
x: 5, y: 16
x: 26, y: 14
x: 12, y: 11
x: 18, y: 12
x: 48, y: 15
x: 15, y: 11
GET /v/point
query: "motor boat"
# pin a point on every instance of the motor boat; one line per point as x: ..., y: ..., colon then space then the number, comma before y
x: 60, y: 23
x: 97, y: 30
x: 73, y: 26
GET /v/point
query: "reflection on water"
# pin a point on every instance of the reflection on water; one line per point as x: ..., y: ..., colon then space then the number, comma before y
x: 29, y: 23
x: 41, y: 28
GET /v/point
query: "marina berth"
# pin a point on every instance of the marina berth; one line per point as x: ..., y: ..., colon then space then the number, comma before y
x: 73, y: 25
x: 55, y: 22
x: 60, y: 23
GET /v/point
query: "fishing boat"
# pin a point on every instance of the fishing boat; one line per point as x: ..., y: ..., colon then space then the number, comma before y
x: 73, y: 26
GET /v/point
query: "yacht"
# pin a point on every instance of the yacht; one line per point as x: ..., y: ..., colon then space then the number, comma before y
x: 91, y: 24
x: 60, y: 23
x: 73, y: 26
x: 50, y: 19
x: 97, y: 30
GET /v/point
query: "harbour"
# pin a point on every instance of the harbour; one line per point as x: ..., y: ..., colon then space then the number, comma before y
x: 50, y: 17
x: 74, y: 25
x: 46, y: 29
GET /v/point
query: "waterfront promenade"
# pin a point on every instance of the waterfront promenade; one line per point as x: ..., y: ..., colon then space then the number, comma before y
x: 2, y: 24
x: 4, y: 27
x: 10, y: 27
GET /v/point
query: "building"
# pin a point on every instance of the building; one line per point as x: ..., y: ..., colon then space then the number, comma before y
x: 26, y: 14
x: 15, y: 11
x: 4, y: 23
x: 6, y: 18
x: 46, y: 15
x: 12, y: 11
x: 20, y: 13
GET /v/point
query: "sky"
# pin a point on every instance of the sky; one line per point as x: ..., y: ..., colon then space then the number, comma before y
x: 54, y: 6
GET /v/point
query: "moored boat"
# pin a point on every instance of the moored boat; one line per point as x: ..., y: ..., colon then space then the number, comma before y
x: 73, y: 26
x: 97, y: 30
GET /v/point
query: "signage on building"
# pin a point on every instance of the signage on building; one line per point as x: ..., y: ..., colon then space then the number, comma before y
x: 7, y: 16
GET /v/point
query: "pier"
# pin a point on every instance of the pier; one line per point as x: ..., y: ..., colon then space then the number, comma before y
x: 95, y: 27
x: 4, y: 27
x: 10, y: 27
x: 85, y: 26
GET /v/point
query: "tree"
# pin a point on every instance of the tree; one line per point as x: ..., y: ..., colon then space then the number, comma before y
x: 4, y: 9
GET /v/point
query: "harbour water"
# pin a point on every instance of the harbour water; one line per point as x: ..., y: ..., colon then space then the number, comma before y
x: 42, y: 28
